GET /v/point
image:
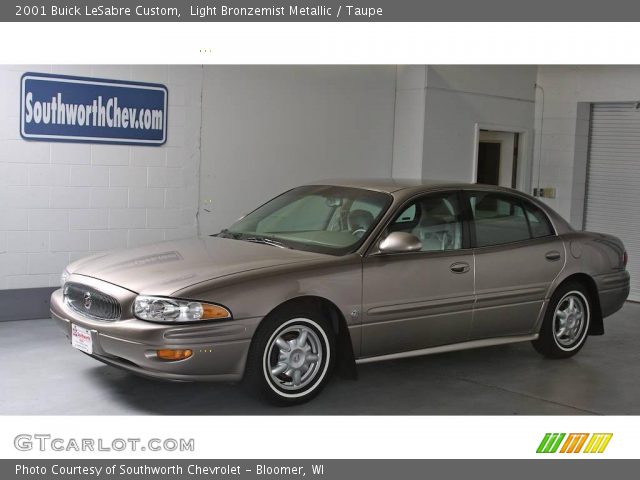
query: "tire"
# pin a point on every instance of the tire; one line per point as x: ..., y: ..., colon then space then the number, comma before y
x: 566, y: 322
x: 282, y: 370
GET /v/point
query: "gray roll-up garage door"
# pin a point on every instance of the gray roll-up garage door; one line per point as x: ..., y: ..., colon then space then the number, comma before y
x: 613, y: 179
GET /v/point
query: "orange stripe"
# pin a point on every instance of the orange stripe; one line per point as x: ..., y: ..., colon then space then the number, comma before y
x: 566, y: 443
x: 581, y: 443
x: 576, y: 439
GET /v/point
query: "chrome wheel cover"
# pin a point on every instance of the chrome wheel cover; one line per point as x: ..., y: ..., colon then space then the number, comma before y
x: 570, y: 320
x: 293, y: 358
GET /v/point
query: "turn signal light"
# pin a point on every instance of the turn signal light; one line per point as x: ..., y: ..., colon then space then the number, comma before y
x: 212, y: 312
x: 172, y: 355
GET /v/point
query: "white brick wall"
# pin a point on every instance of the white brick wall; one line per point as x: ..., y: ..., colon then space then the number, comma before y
x: 60, y: 201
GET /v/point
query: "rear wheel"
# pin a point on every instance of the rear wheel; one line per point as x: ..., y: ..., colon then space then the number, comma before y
x: 290, y: 358
x: 566, y: 324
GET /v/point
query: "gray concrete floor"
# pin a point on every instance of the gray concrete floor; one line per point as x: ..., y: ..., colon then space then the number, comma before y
x: 41, y: 374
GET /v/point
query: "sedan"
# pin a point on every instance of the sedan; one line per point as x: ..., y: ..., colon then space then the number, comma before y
x: 327, y: 276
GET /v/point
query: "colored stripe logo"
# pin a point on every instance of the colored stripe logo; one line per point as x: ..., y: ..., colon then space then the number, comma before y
x: 574, y: 443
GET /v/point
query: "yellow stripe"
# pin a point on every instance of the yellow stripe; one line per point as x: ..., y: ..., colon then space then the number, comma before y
x: 590, y: 444
x: 607, y: 439
x: 598, y: 442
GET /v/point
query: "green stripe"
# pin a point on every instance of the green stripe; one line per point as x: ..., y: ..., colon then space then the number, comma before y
x: 549, y: 444
x: 543, y: 443
x: 558, y: 442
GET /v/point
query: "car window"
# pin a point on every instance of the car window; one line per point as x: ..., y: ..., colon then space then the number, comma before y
x: 319, y: 218
x: 408, y: 215
x: 538, y: 221
x: 435, y: 219
x: 306, y: 213
x: 498, y: 219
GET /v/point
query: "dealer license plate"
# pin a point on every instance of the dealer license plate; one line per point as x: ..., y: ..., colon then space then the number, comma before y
x: 81, y: 339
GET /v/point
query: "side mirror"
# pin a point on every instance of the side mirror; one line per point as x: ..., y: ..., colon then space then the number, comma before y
x: 399, y: 242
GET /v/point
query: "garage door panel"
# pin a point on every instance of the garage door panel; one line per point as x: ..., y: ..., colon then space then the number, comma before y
x: 613, y: 179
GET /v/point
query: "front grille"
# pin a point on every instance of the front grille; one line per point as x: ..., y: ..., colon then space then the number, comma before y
x: 90, y: 302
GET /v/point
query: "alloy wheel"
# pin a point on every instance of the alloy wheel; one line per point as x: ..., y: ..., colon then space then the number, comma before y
x: 294, y: 358
x: 570, y: 319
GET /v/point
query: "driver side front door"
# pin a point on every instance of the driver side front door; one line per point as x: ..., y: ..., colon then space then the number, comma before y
x: 420, y: 299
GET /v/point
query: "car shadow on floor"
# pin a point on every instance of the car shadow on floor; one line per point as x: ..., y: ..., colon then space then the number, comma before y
x: 490, y: 381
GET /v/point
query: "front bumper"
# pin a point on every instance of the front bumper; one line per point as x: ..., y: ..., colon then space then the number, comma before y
x: 219, y: 348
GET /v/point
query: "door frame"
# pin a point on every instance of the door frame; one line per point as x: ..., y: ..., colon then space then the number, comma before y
x: 523, y: 177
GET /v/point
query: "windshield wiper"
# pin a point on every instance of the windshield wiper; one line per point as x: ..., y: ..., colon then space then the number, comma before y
x: 225, y: 233
x: 264, y: 241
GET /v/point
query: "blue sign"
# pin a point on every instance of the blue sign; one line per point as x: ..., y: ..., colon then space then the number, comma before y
x: 92, y: 110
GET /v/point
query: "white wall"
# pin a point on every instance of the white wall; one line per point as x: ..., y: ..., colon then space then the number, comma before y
x: 460, y: 97
x: 565, y: 126
x: 62, y: 201
x: 408, y: 139
x: 439, y: 109
x: 269, y: 128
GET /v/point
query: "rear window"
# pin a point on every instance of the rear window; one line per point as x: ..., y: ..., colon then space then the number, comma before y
x: 501, y: 219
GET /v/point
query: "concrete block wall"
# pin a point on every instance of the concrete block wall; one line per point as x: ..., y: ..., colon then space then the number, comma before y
x: 62, y: 201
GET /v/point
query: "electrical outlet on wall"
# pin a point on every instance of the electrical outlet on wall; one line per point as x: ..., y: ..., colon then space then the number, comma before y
x: 544, y: 192
x: 547, y: 192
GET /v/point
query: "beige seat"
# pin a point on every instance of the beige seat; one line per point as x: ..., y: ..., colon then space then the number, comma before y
x: 438, y: 228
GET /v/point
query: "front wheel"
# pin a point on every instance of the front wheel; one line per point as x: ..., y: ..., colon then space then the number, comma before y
x: 566, y: 324
x: 290, y: 358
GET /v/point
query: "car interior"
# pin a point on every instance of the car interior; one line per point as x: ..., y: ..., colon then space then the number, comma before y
x: 434, y: 221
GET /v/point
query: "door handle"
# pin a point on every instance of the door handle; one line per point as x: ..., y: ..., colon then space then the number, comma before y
x: 552, y: 256
x: 459, y: 267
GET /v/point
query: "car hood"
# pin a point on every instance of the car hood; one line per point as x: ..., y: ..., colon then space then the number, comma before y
x: 164, y: 268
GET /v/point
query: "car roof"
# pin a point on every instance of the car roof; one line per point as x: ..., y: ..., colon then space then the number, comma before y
x: 390, y: 185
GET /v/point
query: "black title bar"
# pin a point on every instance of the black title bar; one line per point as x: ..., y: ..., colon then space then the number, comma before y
x: 319, y: 11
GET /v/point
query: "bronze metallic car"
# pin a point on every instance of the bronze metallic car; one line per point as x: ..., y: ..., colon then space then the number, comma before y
x: 332, y: 275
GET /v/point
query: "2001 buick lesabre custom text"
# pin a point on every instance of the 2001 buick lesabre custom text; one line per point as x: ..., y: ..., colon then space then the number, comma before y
x: 352, y: 272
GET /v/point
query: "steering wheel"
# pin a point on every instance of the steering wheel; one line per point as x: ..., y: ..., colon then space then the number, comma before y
x: 358, y: 232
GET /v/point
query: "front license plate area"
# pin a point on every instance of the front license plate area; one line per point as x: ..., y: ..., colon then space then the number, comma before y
x: 81, y: 339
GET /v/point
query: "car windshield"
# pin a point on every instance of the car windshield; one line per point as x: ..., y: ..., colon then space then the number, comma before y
x: 319, y: 218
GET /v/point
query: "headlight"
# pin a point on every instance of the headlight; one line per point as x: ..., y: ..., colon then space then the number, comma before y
x: 64, y: 276
x: 171, y: 310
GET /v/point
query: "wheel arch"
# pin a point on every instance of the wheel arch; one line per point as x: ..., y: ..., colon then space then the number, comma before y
x: 345, y: 359
x: 596, y: 326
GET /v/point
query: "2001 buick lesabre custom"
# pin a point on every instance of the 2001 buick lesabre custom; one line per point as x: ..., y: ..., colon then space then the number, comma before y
x: 346, y: 273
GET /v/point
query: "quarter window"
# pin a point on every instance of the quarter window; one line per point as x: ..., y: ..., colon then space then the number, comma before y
x: 538, y: 221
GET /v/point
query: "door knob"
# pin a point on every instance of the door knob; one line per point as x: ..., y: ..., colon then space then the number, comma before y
x: 459, y: 267
x: 552, y: 256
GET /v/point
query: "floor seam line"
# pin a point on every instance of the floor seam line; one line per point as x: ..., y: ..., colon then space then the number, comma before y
x: 497, y: 387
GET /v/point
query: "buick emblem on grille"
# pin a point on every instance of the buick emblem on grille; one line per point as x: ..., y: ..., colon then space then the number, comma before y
x: 87, y: 300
